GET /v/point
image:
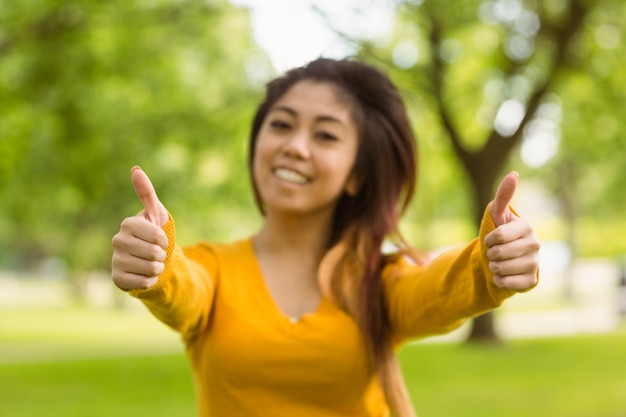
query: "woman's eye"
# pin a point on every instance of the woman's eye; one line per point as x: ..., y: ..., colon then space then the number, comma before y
x: 326, y: 136
x: 279, y: 125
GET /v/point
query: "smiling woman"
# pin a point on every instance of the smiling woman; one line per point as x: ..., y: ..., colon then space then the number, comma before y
x: 302, y: 318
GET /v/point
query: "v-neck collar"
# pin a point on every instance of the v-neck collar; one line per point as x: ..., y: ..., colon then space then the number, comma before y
x: 260, y: 287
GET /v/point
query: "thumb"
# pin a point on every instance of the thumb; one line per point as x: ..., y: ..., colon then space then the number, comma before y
x: 153, y: 208
x: 499, y: 209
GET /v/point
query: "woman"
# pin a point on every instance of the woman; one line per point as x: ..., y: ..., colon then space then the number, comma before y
x: 301, y: 319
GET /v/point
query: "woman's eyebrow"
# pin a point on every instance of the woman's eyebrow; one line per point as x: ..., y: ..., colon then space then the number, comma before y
x: 329, y: 119
x: 322, y: 118
x: 283, y: 108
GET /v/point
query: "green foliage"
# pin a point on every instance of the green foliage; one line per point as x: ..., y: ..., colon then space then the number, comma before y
x: 603, y: 239
x: 457, y: 62
x: 88, y: 89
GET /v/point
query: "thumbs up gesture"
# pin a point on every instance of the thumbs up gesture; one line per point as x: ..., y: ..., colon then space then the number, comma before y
x: 512, y: 248
x: 139, y: 246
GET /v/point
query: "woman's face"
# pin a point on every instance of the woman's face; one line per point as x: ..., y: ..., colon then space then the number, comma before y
x: 306, y: 150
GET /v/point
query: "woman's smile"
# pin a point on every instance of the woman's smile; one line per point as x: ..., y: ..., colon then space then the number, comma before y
x: 292, y: 176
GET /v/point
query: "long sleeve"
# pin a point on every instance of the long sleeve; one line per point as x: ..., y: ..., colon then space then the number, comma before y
x: 436, y: 298
x: 183, y: 294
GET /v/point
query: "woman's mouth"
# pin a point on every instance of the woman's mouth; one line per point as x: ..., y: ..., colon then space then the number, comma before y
x: 291, y: 176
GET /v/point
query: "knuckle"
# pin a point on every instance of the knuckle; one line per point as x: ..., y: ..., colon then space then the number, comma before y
x: 500, y: 281
x: 496, y: 268
x: 116, y: 240
x: 499, y: 235
x: 154, y: 268
x: 119, y: 279
x: 495, y: 253
x: 144, y: 284
x: 127, y: 222
x: 517, y: 282
x: 156, y: 253
x: 536, y: 261
x: 507, y: 284
x: 118, y: 260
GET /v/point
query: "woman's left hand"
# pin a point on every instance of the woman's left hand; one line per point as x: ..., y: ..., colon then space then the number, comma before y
x: 512, y: 248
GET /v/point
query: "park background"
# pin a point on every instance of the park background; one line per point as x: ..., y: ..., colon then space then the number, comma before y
x: 88, y: 89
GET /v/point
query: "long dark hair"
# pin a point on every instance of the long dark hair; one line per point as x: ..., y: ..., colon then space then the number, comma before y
x: 385, y: 168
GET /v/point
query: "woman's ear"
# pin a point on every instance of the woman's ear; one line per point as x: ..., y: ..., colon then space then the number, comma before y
x: 352, y: 185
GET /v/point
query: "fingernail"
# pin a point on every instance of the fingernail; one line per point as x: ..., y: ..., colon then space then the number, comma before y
x: 136, y: 167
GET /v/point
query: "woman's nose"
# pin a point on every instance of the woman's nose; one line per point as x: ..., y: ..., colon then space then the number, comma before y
x: 298, y: 145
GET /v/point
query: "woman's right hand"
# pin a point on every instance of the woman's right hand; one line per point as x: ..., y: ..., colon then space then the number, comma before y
x: 139, y: 247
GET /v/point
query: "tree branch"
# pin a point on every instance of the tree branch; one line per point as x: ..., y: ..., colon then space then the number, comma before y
x: 437, y: 82
x: 561, y: 37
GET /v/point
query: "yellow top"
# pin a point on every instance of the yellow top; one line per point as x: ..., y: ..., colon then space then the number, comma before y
x: 249, y: 359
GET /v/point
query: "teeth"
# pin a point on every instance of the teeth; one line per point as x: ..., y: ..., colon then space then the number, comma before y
x: 291, y: 176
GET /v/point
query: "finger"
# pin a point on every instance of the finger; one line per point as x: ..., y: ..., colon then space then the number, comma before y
x: 144, y: 189
x: 512, y: 250
x: 138, y: 227
x: 129, y: 281
x: 123, y: 262
x: 516, y: 282
x: 138, y: 248
x: 499, y: 208
x: 517, y: 228
x: 517, y: 266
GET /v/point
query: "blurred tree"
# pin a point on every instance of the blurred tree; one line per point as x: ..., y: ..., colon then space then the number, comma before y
x: 492, y: 75
x: 88, y: 89
x: 587, y: 172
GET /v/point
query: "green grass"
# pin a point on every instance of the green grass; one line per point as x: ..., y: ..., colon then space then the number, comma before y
x: 583, y: 376
x: 47, y: 371
x: 73, y: 333
x: 156, y: 386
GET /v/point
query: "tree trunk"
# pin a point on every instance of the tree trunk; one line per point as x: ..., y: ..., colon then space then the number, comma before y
x: 483, y: 178
x: 567, y: 201
x: 483, y: 330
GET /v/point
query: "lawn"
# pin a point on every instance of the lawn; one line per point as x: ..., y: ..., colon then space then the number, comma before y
x: 581, y: 376
x: 155, y: 386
